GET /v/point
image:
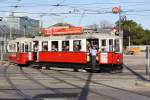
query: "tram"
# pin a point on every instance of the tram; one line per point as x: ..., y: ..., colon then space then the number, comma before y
x: 68, y: 51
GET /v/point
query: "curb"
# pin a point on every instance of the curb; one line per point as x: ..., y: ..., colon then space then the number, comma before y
x: 143, y: 83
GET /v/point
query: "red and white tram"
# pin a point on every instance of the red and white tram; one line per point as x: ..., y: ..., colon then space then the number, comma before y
x: 69, y: 51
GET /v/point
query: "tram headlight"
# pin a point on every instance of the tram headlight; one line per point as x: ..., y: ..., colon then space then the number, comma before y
x: 118, y: 60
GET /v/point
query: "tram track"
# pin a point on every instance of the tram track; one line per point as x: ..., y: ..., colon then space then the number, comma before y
x: 27, y: 75
x: 101, y: 84
x: 77, y: 86
x: 63, y: 74
x: 13, y: 86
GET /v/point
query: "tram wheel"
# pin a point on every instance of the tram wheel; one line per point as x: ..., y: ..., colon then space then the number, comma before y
x: 75, y: 69
x: 48, y: 68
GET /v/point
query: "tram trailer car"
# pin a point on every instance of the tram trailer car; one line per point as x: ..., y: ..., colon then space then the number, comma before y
x: 68, y: 51
x: 19, y: 51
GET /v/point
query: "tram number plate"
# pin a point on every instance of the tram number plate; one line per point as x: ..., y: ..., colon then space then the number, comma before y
x: 104, y: 57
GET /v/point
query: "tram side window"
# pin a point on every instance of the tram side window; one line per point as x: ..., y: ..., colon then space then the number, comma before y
x: 22, y: 47
x: 26, y: 47
x: 76, y: 45
x: 103, y: 44
x: 36, y: 46
x: 110, y: 44
x: 117, y: 46
x: 17, y: 46
x: 30, y: 47
x: 54, y: 46
x: 12, y: 47
x: 65, y: 45
x: 45, y: 46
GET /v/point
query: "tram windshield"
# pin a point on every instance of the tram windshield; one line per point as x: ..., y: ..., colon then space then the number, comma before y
x: 110, y: 44
x: 117, y: 45
x: 103, y: 45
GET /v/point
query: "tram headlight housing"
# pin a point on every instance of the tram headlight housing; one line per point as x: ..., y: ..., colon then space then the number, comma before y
x: 118, y: 60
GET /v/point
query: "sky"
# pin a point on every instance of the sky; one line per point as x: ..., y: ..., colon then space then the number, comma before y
x: 78, y: 12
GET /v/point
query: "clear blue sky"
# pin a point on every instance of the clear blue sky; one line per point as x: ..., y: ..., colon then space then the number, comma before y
x: 138, y: 10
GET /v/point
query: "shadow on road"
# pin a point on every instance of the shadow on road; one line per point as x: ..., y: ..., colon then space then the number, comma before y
x: 85, y: 91
x: 137, y: 74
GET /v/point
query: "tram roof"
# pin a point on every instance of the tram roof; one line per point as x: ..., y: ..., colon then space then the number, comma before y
x: 21, y: 40
x: 81, y: 36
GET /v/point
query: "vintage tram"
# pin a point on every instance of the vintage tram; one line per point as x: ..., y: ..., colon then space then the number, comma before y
x: 68, y: 51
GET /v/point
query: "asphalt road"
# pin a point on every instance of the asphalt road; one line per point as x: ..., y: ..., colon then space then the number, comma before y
x: 24, y: 83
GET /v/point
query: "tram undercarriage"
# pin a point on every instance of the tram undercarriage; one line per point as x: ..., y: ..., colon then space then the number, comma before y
x: 110, y: 68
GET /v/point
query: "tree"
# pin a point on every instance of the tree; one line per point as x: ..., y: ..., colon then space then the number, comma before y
x: 138, y: 35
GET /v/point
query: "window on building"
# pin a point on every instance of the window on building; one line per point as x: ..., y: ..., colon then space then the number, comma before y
x: 76, y: 45
x: 54, y: 46
x: 65, y: 45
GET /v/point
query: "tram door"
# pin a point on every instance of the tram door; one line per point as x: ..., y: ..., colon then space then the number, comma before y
x: 35, y: 49
x: 92, y: 44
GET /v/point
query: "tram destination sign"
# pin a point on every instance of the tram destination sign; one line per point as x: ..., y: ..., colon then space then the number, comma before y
x: 61, y: 30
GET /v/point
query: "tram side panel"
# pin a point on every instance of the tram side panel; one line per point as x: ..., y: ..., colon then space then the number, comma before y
x: 110, y: 58
x: 63, y: 57
x: 12, y: 57
x: 24, y: 57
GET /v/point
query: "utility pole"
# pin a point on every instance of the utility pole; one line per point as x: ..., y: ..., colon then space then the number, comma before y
x: 148, y: 61
x: 41, y: 21
x: 117, y: 10
x: 10, y: 32
x: 24, y: 30
x: 129, y: 39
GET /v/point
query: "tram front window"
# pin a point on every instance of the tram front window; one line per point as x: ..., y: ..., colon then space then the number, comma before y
x: 117, y: 45
x: 110, y: 44
x: 103, y: 44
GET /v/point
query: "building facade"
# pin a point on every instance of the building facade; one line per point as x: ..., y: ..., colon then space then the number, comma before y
x: 20, y: 26
x: 12, y: 27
